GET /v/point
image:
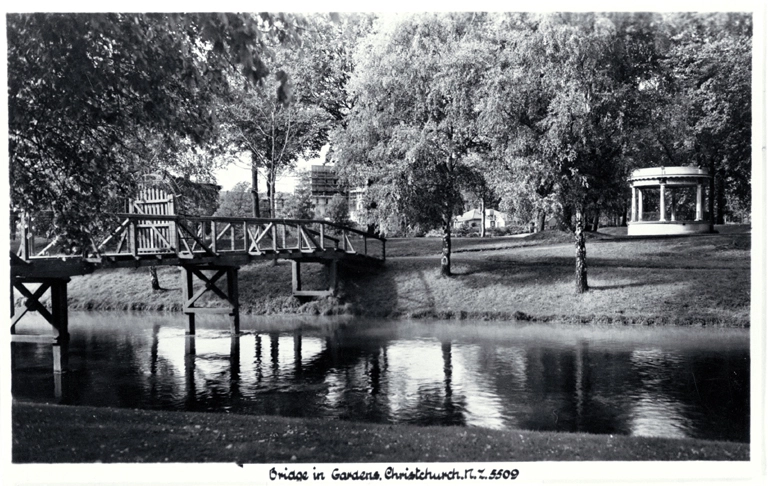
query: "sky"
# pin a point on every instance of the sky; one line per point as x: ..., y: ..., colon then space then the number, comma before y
x: 241, y: 171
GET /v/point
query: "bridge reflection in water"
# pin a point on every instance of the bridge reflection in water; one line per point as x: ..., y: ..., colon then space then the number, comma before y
x: 668, y: 387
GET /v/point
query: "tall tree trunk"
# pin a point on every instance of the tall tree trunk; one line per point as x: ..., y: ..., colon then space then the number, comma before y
x: 270, y: 195
x: 155, y: 282
x: 711, y: 195
x: 623, y: 216
x: 482, y: 218
x: 445, y: 259
x: 565, y: 224
x: 541, y: 221
x: 720, y: 192
x: 581, y: 254
x: 255, y: 188
x: 596, y: 220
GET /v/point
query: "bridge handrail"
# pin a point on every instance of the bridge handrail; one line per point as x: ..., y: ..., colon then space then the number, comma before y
x: 230, y: 219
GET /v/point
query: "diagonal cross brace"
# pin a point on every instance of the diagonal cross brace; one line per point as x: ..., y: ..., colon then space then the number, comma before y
x: 32, y: 303
x: 210, y: 284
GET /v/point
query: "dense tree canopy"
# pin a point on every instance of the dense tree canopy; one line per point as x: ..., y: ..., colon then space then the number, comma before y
x: 235, y: 203
x: 540, y: 114
x: 414, y: 123
x: 273, y: 124
x: 557, y: 108
x: 89, y: 95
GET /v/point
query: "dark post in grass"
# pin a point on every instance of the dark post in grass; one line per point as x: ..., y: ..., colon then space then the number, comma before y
x: 581, y: 254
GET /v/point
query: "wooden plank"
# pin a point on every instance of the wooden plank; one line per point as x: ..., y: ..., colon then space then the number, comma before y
x: 296, y: 276
x: 24, y: 244
x: 274, y: 238
x: 234, y: 300
x: 186, y: 291
x: 48, y: 246
x: 254, y: 243
x: 214, y: 237
x: 312, y: 293
x: 266, y: 230
x: 132, y: 237
x: 221, y: 233
x: 207, y: 310
x: 33, y: 338
x: 194, y: 237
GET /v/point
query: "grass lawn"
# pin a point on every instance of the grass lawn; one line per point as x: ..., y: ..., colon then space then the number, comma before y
x: 684, y: 280
x: 62, y: 434
x: 703, y: 279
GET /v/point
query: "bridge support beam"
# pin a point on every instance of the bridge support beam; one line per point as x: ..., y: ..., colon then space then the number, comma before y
x: 192, y: 295
x: 57, y: 316
x: 331, y: 280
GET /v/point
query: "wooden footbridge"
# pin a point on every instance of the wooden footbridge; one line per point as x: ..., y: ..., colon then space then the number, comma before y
x: 206, y: 249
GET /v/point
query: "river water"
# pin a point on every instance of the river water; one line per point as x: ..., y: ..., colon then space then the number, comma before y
x: 663, y: 382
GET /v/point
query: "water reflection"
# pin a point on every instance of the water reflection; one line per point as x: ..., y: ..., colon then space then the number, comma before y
x: 375, y: 374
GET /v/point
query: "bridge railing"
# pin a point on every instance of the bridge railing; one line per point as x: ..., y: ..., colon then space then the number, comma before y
x: 190, y: 236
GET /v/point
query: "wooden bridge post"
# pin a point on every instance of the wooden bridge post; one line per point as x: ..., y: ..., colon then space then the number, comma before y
x: 57, y: 317
x: 234, y: 300
x: 332, y: 275
x: 61, y: 325
x: 187, y: 291
x: 189, y: 296
x: 331, y: 267
x: 296, y: 275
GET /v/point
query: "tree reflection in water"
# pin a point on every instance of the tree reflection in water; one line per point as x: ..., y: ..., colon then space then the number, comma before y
x: 373, y: 374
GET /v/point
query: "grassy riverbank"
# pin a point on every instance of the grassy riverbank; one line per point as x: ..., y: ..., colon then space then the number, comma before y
x: 61, y: 434
x: 693, y: 280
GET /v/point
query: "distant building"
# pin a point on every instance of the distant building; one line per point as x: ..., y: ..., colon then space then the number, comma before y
x: 357, y: 210
x: 474, y: 217
x: 324, y: 184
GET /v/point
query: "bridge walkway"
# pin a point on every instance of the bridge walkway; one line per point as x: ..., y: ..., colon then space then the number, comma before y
x: 208, y: 250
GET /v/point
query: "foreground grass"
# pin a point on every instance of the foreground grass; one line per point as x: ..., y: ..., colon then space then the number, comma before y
x: 693, y: 280
x: 63, y: 434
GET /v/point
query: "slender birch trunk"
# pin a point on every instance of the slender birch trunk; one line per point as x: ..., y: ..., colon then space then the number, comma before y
x: 482, y: 217
x: 581, y: 254
x: 445, y: 259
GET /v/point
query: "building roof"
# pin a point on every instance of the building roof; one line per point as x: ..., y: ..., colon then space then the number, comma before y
x: 476, y: 214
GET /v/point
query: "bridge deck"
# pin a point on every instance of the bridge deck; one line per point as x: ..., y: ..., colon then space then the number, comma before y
x: 208, y: 251
x: 152, y: 240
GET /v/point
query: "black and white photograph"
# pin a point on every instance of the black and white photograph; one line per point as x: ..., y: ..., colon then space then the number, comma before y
x: 270, y: 244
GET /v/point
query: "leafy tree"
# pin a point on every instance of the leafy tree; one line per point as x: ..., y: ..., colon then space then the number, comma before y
x: 88, y: 93
x: 299, y: 204
x: 413, y: 123
x: 567, y: 86
x: 235, y: 202
x: 710, y: 60
x: 338, y: 209
x: 274, y: 125
x: 327, y: 63
x: 697, y: 108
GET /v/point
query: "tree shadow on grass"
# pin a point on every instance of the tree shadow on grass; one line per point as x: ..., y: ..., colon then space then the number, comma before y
x: 370, y: 291
x: 625, y: 286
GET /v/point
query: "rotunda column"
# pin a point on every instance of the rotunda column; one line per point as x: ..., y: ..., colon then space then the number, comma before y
x: 699, y: 202
x: 633, y: 213
x: 639, y: 204
x: 662, y: 205
x: 673, y: 216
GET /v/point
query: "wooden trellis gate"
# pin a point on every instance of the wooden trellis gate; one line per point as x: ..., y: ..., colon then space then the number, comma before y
x: 153, y: 236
